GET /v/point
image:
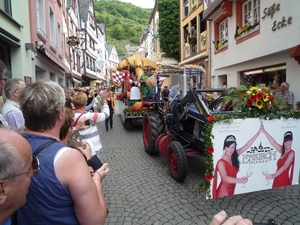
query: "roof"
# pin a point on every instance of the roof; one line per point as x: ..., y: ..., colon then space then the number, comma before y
x: 109, y: 49
x: 83, y: 9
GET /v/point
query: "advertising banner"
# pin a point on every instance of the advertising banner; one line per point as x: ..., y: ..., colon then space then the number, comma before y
x: 254, y: 154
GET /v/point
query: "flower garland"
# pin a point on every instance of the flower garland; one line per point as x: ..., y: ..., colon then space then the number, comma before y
x: 253, y: 100
x: 130, y: 111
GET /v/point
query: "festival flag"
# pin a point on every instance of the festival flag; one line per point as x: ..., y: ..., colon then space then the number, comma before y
x: 247, y: 25
x: 238, y: 32
x: 216, y: 44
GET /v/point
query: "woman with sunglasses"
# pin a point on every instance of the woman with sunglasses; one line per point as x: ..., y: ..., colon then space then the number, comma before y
x: 64, y: 191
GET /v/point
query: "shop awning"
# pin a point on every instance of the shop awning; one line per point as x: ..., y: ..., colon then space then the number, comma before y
x: 76, y: 81
x: 9, y: 40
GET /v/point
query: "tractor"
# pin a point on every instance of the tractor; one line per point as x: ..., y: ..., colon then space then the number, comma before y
x: 177, y: 133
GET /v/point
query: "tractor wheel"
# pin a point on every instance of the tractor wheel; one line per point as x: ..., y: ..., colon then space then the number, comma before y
x: 152, y: 128
x: 129, y: 124
x: 177, y: 160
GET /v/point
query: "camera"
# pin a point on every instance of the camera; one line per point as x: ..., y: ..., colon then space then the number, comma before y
x: 94, y: 162
x: 89, y: 122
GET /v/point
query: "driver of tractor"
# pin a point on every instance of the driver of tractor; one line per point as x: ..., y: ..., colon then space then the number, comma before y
x: 174, y: 98
x: 175, y: 92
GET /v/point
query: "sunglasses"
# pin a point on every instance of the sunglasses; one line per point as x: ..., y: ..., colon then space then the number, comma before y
x: 35, y: 167
x: 3, y: 78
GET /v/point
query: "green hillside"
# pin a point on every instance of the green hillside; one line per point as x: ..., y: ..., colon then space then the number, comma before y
x: 124, y: 22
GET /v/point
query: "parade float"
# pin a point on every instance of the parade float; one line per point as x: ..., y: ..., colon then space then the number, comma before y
x: 264, y: 153
x: 123, y: 78
x: 244, y: 134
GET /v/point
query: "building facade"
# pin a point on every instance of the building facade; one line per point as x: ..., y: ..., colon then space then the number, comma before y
x: 194, y: 36
x: 46, y: 30
x: 15, y: 45
x: 71, y: 34
x: 254, y: 41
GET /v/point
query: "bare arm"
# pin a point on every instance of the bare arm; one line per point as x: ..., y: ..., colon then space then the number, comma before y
x: 272, y: 141
x: 250, y: 142
x: 229, y: 179
x: 85, y: 191
x: 286, y: 164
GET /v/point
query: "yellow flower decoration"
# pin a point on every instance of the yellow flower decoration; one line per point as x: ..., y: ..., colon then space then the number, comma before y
x: 254, y: 90
x: 259, y: 104
x: 266, y: 97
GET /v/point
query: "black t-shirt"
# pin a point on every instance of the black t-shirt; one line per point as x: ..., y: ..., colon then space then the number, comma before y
x: 89, y: 101
x: 165, y: 94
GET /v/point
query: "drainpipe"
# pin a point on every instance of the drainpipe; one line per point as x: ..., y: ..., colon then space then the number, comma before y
x: 184, y: 81
x: 209, y: 54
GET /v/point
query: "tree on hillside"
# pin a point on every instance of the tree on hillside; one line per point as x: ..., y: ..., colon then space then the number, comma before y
x: 124, y: 22
x: 168, y: 28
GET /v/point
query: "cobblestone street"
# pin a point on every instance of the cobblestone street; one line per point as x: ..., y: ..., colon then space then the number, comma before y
x: 139, y: 189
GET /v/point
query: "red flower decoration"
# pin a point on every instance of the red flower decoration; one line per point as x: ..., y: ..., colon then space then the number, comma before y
x: 244, y: 93
x: 208, y: 177
x: 210, y: 118
x: 271, y: 98
x: 210, y: 150
x: 264, y: 89
x: 259, y: 95
x: 249, y: 102
x: 253, y: 98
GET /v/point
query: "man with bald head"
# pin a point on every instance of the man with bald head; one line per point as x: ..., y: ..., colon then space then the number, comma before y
x: 17, y: 167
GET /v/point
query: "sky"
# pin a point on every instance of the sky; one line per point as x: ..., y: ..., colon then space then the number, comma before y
x: 147, y: 4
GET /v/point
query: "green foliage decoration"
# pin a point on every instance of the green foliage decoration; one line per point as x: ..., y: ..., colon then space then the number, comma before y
x: 124, y: 22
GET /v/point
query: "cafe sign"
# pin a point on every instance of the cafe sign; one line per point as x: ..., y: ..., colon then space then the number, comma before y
x: 270, y: 11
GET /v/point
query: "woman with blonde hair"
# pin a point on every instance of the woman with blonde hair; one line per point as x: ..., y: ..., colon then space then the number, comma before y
x: 56, y: 196
x: 91, y: 135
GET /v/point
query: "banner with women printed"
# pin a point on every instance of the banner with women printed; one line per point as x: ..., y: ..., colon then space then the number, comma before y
x: 254, y: 154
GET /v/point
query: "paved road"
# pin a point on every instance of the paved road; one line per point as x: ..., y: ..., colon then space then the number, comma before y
x: 139, y: 189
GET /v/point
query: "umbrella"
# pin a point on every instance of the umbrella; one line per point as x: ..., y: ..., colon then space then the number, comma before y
x: 138, y: 63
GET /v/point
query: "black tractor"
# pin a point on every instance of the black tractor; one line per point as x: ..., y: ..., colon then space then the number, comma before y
x: 177, y: 133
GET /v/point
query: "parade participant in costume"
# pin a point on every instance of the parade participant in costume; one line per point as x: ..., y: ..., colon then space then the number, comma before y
x: 111, y: 104
x: 228, y: 167
x: 146, y: 91
x: 285, y: 164
x: 135, y: 94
